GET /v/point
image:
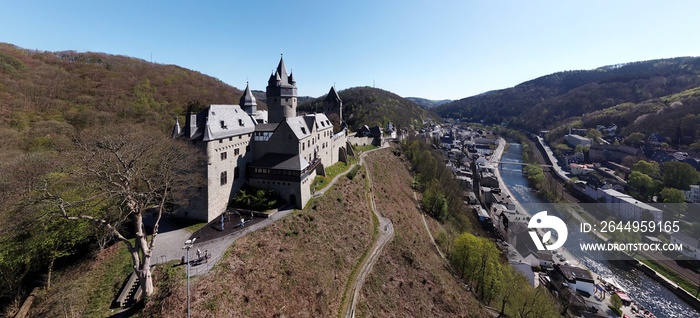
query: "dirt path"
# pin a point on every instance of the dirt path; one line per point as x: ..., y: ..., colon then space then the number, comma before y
x: 386, y: 233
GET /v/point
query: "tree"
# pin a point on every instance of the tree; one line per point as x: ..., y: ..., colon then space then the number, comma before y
x: 634, y: 139
x: 644, y: 186
x: 679, y: 175
x: 127, y: 172
x: 649, y: 168
x: 594, y: 134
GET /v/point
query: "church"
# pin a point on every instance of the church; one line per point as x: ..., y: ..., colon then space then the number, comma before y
x: 274, y: 149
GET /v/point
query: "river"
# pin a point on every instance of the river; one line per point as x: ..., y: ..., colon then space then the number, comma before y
x: 646, y: 291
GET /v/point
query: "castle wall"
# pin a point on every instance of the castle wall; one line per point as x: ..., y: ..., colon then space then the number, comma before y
x: 228, y: 155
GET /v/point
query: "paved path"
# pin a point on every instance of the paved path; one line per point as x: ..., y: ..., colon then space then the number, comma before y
x: 386, y: 233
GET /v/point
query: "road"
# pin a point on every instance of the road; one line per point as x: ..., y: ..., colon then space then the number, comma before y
x: 386, y: 234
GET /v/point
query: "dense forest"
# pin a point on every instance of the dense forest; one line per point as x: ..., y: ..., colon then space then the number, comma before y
x: 373, y: 106
x: 608, y: 95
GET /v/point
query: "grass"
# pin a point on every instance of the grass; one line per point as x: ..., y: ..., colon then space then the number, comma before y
x: 108, y: 282
x: 672, y: 276
x: 322, y: 181
x: 195, y: 227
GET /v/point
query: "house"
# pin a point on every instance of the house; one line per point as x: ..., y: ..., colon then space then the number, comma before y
x: 526, y: 270
x: 693, y: 195
x: 575, y: 140
x: 578, y: 278
x: 623, y: 206
x: 275, y: 150
x: 656, y: 139
x: 691, y: 246
x: 579, y: 169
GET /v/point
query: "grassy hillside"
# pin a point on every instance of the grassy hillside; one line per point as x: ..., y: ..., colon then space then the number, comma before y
x: 373, y: 106
x: 298, y: 266
x: 546, y: 101
x: 410, y: 279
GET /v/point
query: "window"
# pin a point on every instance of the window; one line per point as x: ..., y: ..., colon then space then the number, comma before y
x: 224, y: 178
x: 221, y: 141
x: 223, y: 155
x: 236, y: 152
x: 240, y: 122
x: 223, y: 124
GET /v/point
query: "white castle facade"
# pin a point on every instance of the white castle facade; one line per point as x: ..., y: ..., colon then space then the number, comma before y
x: 275, y: 150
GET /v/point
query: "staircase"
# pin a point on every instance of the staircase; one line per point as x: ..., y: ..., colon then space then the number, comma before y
x: 130, y: 292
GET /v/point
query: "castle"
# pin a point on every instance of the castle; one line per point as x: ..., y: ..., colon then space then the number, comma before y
x: 275, y: 150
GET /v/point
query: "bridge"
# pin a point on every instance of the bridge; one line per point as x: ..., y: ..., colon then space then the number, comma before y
x: 517, y: 163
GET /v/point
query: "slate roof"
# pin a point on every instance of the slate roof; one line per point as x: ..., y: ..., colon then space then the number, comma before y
x: 266, y: 127
x: 332, y: 95
x: 282, y: 161
x: 247, y: 99
x: 223, y: 121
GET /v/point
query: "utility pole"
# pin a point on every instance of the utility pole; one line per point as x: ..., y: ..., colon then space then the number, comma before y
x: 188, y: 246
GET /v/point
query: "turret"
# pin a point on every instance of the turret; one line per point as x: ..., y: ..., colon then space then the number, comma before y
x: 281, y: 95
x: 248, y: 102
x: 333, y: 105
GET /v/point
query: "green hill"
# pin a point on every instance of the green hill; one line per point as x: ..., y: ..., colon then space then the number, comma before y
x: 373, y: 106
x: 546, y: 101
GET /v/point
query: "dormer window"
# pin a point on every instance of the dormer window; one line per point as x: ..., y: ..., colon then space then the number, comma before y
x: 240, y: 122
x: 303, y: 130
x: 223, y: 125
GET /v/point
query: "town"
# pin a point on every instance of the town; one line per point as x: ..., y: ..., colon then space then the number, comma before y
x: 475, y: 155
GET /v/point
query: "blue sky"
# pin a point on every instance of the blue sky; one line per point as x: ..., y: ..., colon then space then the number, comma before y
x: 432, y: 49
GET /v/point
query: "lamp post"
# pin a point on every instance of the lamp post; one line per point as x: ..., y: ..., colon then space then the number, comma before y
x: 188, y: 246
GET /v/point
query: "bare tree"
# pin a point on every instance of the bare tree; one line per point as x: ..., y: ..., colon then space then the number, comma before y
x: 124, y: 173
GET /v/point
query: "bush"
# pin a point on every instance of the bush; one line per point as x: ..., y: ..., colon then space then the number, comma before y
x: 353, y: 172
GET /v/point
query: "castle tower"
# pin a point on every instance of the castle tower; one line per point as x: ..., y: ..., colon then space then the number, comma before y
x: 248, y: 102
x: 333, y: 105
x: 281, y: 95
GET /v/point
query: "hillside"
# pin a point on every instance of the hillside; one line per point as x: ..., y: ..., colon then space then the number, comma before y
x: 46, y: 99
x: 548, y: 100
x: 300, y: 265
x: 373, y: 106
x: 50, y: 94
x: 428, y: 103
x: 410, y: 279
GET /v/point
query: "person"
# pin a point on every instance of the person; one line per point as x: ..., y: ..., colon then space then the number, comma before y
x: 206, y: 256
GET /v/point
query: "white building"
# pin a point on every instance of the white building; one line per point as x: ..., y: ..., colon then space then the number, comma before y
x: 579, y: 169
x: 691, y: 246
x: 693, y: 195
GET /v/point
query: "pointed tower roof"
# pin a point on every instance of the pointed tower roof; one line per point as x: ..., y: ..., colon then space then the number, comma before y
x: 247, y: 99
x: 281, y: 69
x: 333, y: 95
x: 291, y: 78
x: 176, y: 129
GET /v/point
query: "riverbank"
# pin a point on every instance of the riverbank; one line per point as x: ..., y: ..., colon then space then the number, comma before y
x: 599, y: 300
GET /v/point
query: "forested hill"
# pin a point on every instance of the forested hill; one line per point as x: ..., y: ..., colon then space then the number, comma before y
x: 548, y: 100
x: 51, y: 93
x: 428, y: 103
x: 373, y: 106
